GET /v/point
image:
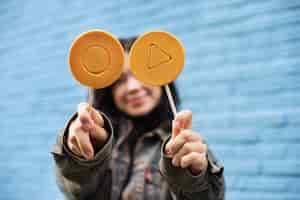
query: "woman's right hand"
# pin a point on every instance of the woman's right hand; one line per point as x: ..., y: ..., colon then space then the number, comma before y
x: 86, y: 132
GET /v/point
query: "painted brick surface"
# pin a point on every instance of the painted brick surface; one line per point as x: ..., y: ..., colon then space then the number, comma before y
x: 241, y: 79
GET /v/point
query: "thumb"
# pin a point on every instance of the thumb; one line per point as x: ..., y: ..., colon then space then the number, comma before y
x: 175, y: 128
x: 183, y: 120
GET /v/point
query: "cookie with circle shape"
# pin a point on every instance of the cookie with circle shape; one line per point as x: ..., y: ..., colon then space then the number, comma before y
x: 96, y: 59
x: 156, y: 58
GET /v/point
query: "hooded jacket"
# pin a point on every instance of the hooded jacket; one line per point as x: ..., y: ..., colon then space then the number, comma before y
x: 123, y: 170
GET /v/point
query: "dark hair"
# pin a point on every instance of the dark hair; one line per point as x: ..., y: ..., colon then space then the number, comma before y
x: 102, y: 99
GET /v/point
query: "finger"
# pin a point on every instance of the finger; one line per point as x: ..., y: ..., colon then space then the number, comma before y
x: 98, y: 119
x: 99, y: 134
x: 175, y: 128
x: 73, y: 146
x: 186, y: 149
x: 84, y: 113
x: 185, y: 136
x: 78, y: 125
x: 185, y: 119
x: 85, y: 144
x: 197, y: 161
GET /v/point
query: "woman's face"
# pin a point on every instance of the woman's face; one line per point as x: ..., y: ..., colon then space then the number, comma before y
x: 133, y: 97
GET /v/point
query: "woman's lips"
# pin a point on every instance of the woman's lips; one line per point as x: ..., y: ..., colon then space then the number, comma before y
x: 136, y: 101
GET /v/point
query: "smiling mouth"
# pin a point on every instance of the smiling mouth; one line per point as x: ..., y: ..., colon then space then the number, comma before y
x: 136, y: 101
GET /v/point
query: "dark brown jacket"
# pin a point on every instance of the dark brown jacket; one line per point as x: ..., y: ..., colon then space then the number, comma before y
x: 145, y: 173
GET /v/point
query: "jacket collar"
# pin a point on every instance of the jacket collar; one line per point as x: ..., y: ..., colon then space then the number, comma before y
x: 162, y: 131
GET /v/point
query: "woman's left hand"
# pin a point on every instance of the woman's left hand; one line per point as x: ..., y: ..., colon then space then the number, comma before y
x: 186, y: 148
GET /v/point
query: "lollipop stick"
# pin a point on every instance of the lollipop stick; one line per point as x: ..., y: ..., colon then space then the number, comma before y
x: 171, y: 100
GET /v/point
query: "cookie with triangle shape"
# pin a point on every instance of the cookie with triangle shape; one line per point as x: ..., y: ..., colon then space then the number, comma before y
x: 156, y: 58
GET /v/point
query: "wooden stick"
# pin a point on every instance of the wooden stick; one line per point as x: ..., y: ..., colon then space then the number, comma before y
x: 171, y: 100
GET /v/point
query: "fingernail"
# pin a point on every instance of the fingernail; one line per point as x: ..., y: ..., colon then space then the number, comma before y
x: 167, y: 150
x: 177, y: 124
x: 168, y: 147
x: 174, y: 162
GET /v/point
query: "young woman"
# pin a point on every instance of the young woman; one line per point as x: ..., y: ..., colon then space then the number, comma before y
x: 124, y: 144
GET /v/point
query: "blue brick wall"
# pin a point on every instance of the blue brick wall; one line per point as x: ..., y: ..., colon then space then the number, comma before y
x: 242, y: 56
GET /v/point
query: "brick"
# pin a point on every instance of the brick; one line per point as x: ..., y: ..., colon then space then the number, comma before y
x: 282, y: 167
